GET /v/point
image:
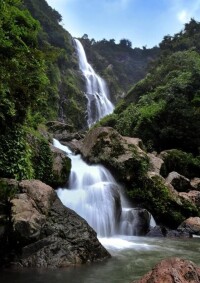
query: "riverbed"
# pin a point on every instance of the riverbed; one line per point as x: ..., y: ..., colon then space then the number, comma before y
x: 131, y: 258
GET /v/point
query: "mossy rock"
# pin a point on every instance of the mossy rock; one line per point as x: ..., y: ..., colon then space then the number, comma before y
x: 122, y: 155
x: 61, y: 168
x: 162, y: 201
x: 182, y: 162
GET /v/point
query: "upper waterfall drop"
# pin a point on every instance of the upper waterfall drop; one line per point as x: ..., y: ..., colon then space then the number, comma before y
x: 97, y: 94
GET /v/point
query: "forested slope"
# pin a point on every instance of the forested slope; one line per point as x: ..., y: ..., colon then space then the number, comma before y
x: 118, y: 63
x: 164, y: 108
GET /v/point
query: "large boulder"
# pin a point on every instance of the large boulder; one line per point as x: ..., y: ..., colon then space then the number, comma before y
x: 124, y: 156
x: 172, y: 270
x: 45, y: 233
x: 61, y: 167
x: 179, y: 182
x: 191, y: 225
x: 192, y: 196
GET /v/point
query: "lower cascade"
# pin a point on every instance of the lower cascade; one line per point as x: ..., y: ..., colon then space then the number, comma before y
x: 95, y: 195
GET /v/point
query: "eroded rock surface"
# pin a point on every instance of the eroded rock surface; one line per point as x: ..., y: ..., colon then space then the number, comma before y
x: 45, y: 233
x: 172, y: 270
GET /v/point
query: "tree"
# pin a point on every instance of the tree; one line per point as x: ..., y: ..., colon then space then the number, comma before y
x: 125, y: 43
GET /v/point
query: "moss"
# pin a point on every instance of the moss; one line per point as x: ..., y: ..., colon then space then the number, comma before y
x: 60, y: 179
x: 166, y: 208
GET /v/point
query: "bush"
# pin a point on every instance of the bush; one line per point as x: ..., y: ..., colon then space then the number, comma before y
x: 183, y: 163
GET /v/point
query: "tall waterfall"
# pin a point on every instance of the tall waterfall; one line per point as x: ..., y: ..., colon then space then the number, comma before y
x: 97, y: 92
x: 93, y: 192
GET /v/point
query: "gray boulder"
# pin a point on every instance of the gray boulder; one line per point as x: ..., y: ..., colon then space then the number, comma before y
x: 47, y: 234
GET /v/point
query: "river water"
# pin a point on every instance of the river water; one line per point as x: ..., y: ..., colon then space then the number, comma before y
x: 131, y: 258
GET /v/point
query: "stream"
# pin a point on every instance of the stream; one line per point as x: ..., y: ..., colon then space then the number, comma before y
x: 131, y: 258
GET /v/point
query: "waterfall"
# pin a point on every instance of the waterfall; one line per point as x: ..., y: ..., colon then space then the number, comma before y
x: 95, y: 195
x: 92, y: 191
x: 97, y: 93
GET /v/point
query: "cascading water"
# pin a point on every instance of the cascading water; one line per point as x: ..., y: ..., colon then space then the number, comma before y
x: 97, y: 92
x: 93, y: 192
x: 95, y: 195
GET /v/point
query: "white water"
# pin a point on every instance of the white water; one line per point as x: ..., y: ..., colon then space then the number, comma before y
x: 93, y: 192
x: 95, y: 195
x: 97, y: 93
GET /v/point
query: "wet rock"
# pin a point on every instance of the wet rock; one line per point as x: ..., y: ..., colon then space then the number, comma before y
x: 172, y: 270
x: 157, y: 231
x: 179, y: 182
x: 61, y: 167
x: 44, y: 233
x: 161, y: 231
x: 66, y: 239
x: 190, y: 225
x: 135, y: 221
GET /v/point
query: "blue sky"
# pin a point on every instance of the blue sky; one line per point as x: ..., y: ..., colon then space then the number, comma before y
x: 143, y: 22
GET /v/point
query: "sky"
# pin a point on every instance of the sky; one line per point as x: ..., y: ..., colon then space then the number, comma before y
x: 143, y: 22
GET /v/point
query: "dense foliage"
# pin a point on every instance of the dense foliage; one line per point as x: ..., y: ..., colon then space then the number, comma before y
x: 164, y: 108
x: 23, y: 79
x: 29, y: 79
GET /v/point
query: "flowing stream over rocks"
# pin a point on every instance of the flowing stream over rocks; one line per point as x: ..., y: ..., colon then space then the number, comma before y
x: 95, y: 195
x: 97, y: 94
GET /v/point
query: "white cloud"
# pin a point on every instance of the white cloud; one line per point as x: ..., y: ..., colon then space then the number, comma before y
x: 184, y: 13
x: 183, y: 16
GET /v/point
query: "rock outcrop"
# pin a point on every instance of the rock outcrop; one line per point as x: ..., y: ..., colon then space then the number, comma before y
x: 61, y: 167
x: 47, y: 234
x: 122, y: 155
x: 172, y: 270
x: 191, y: 225
x: 179, y: 182
x: 139, y: 171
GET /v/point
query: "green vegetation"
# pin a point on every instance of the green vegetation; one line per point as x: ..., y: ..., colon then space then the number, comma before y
x: 163, y: 109
x: 119, y: 64
x: 181, y: 162
x: 157, y: 198
x: 31, y: 73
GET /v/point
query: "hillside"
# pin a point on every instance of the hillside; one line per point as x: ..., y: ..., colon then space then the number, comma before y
x: 119, y: 64
x: 163, y: 108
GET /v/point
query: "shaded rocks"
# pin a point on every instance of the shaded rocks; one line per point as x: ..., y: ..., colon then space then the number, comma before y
x: 63, y: 132
x: 172, y: 270
x: 191, y: 225
x: 134, y: 221
x: 161, y: 231
x: 44, y: 233
x: 61, y: 167
x: 179, y: 182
